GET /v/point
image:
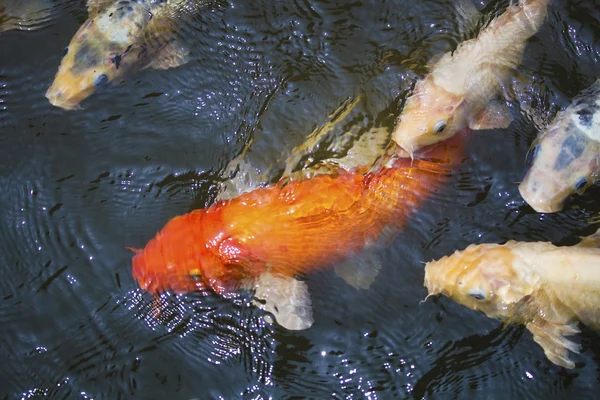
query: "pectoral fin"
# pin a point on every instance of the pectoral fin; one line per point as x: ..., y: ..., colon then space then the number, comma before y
x: 286, y: 298
x: 172, y: 54
x: 495, y: 116
x: 359, y: 271
x: 552, y: 339
x: 549, y: 320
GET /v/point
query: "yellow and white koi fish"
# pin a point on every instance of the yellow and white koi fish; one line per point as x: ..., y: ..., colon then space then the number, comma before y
x: 119, y: 37
x: 545, y: 287
x: 566, y: 156
x: 462, y: 87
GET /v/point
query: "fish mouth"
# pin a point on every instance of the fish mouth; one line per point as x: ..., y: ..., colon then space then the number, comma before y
x: 56, y: 99
x: 545, y: 208
x: 537, y: 201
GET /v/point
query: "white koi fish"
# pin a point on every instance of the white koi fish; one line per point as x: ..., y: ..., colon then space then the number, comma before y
x: 462, y: 87
x: 566, y: 156
x: 547, y: 288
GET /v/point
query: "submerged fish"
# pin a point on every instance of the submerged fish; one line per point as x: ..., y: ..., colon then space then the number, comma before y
x: 566, y: 156
x: 25, y: 15
x: 462, y: 87
x: 119, y: 38
x: 545, y: 287
x: 290, y: 229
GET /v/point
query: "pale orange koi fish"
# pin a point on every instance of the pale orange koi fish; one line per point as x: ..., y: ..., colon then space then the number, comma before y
x: 547, y: 288
x: 462, y: 87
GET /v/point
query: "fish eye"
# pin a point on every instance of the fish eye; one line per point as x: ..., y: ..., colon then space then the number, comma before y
x: 65, y: 51
x: 532, y: 154
x: 477, y: 294
x: 101, y: 80
x: 580, y: 184
x: 439, y: 126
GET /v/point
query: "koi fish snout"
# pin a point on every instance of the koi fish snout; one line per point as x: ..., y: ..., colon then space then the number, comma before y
x: 61, y: 98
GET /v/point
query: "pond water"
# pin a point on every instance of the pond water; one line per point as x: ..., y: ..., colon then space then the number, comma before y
x: 78, y: 187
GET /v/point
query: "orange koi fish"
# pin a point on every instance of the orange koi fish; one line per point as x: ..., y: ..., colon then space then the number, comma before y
x: 291, y: 228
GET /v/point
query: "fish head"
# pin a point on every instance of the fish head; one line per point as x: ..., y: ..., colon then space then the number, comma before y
x: 480, y: 277
x: 177, y: 259
x: 103, y: 51
x: 564, y: 160
x: 431, y: 115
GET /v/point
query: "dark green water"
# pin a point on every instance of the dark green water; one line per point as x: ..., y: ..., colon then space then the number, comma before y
x: 80, y: 186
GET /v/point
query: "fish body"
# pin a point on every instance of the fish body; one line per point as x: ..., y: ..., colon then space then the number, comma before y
x: 292, y: 228
x: 120, y: 37
x: 462, y: 87
x: 566, y: 156
x: 25, y: 15
x: 547, y: 288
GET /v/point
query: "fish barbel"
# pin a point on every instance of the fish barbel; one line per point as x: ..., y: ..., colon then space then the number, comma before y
x: 118, y: 38
x: 545, y: 287
x: 566, y: 156
x: 291, y: 228
x: 462, y: 87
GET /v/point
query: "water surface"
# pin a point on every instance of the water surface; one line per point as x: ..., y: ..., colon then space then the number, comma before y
x: 78, y: 187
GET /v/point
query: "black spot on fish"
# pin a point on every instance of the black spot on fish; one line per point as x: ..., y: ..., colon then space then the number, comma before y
x: 66, y: 51
x: 117, y: 59
x: 124, y: 2
x: 86, y: 57
x: 110, y: 15
x: 130, y: 9
x: 571, y: 149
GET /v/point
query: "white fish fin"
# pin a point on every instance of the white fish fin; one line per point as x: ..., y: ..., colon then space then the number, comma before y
x: 96, y: 6
x: 172, y: 54
x: 286, y: 298
x: 360, y: 271
x: 495, y: 116
x: 549, y: 320
x: 592, y: 240
x: 552, y: 339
